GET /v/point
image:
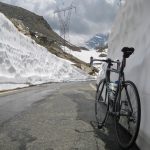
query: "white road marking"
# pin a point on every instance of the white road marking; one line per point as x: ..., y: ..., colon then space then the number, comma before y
x: 93, y: 86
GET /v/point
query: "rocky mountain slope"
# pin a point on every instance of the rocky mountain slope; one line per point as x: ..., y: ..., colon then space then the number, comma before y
x: 38, y: 29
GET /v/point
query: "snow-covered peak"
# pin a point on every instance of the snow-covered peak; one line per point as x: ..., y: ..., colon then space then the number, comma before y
x: 99, y: 40
x: 24, y: 61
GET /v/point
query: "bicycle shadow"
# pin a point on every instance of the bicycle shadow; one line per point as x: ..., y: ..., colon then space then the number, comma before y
x: 108, y: 135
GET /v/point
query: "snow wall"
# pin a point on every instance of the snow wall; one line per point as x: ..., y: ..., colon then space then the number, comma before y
x: 23, y: 61
x: 132, y: 28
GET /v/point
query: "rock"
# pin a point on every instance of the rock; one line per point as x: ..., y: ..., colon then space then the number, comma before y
x: 88, y: 69
x: 103, y: 55
x: 20, y: 26
x: 12, y: 69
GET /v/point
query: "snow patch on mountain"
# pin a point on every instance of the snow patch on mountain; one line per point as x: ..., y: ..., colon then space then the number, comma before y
x: 83, y: 55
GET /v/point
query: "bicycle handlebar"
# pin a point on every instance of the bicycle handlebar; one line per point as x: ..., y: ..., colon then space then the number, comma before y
x: 108, y: 60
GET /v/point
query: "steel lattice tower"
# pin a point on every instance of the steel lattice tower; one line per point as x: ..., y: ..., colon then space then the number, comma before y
x: 64, y: 16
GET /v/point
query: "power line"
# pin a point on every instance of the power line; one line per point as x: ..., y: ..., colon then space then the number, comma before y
x: 64, y: 15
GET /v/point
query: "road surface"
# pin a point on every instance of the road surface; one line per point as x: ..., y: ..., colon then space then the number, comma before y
x: 55, y: 116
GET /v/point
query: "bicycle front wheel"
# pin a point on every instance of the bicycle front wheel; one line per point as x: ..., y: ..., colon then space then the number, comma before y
x: 101, y: 103
x: 128, y: 110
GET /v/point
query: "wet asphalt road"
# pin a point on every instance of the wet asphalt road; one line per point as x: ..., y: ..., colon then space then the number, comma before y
x: 53, y: 117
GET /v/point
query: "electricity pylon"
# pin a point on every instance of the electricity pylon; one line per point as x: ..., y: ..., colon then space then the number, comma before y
x: 64, y: 16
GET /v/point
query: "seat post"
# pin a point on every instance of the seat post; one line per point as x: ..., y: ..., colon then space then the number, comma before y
x: 123, y: 64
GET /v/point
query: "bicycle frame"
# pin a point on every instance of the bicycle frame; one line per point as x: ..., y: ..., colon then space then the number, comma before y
x: 121, y: 79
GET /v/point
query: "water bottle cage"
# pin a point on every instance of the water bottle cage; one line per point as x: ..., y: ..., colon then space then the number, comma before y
x: 112, y: 90
x: 111, y: 94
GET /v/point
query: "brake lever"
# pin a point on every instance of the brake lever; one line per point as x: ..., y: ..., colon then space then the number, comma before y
x: 91, y: 61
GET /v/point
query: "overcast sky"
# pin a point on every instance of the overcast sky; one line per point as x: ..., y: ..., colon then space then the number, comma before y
x: 91, y: 16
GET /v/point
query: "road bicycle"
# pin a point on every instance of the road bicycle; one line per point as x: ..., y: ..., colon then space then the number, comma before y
x: 119, y: 99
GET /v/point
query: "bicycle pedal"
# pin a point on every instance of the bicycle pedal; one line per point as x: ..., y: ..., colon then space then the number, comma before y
x: 125, y: 102
x: 113, y: 113
x: 111, y: 102
x: 100, y: 126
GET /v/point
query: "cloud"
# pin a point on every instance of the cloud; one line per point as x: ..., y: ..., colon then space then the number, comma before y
x: 97, y: 15
x: 91, y: 17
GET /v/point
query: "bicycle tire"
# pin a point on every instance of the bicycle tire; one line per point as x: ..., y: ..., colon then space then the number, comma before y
x: 101, y: 103
x: 127, y: 127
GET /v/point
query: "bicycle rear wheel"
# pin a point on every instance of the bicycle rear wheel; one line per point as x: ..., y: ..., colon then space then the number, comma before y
x: 127, y: 120
x: 101, y: 103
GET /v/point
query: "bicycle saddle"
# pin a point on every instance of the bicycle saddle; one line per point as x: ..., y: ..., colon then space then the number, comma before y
x: 127, y: 51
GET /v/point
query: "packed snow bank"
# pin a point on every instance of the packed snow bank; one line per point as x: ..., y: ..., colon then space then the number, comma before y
x: 85, y: 56
x: 132, y: 28
x: 23, y: 61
